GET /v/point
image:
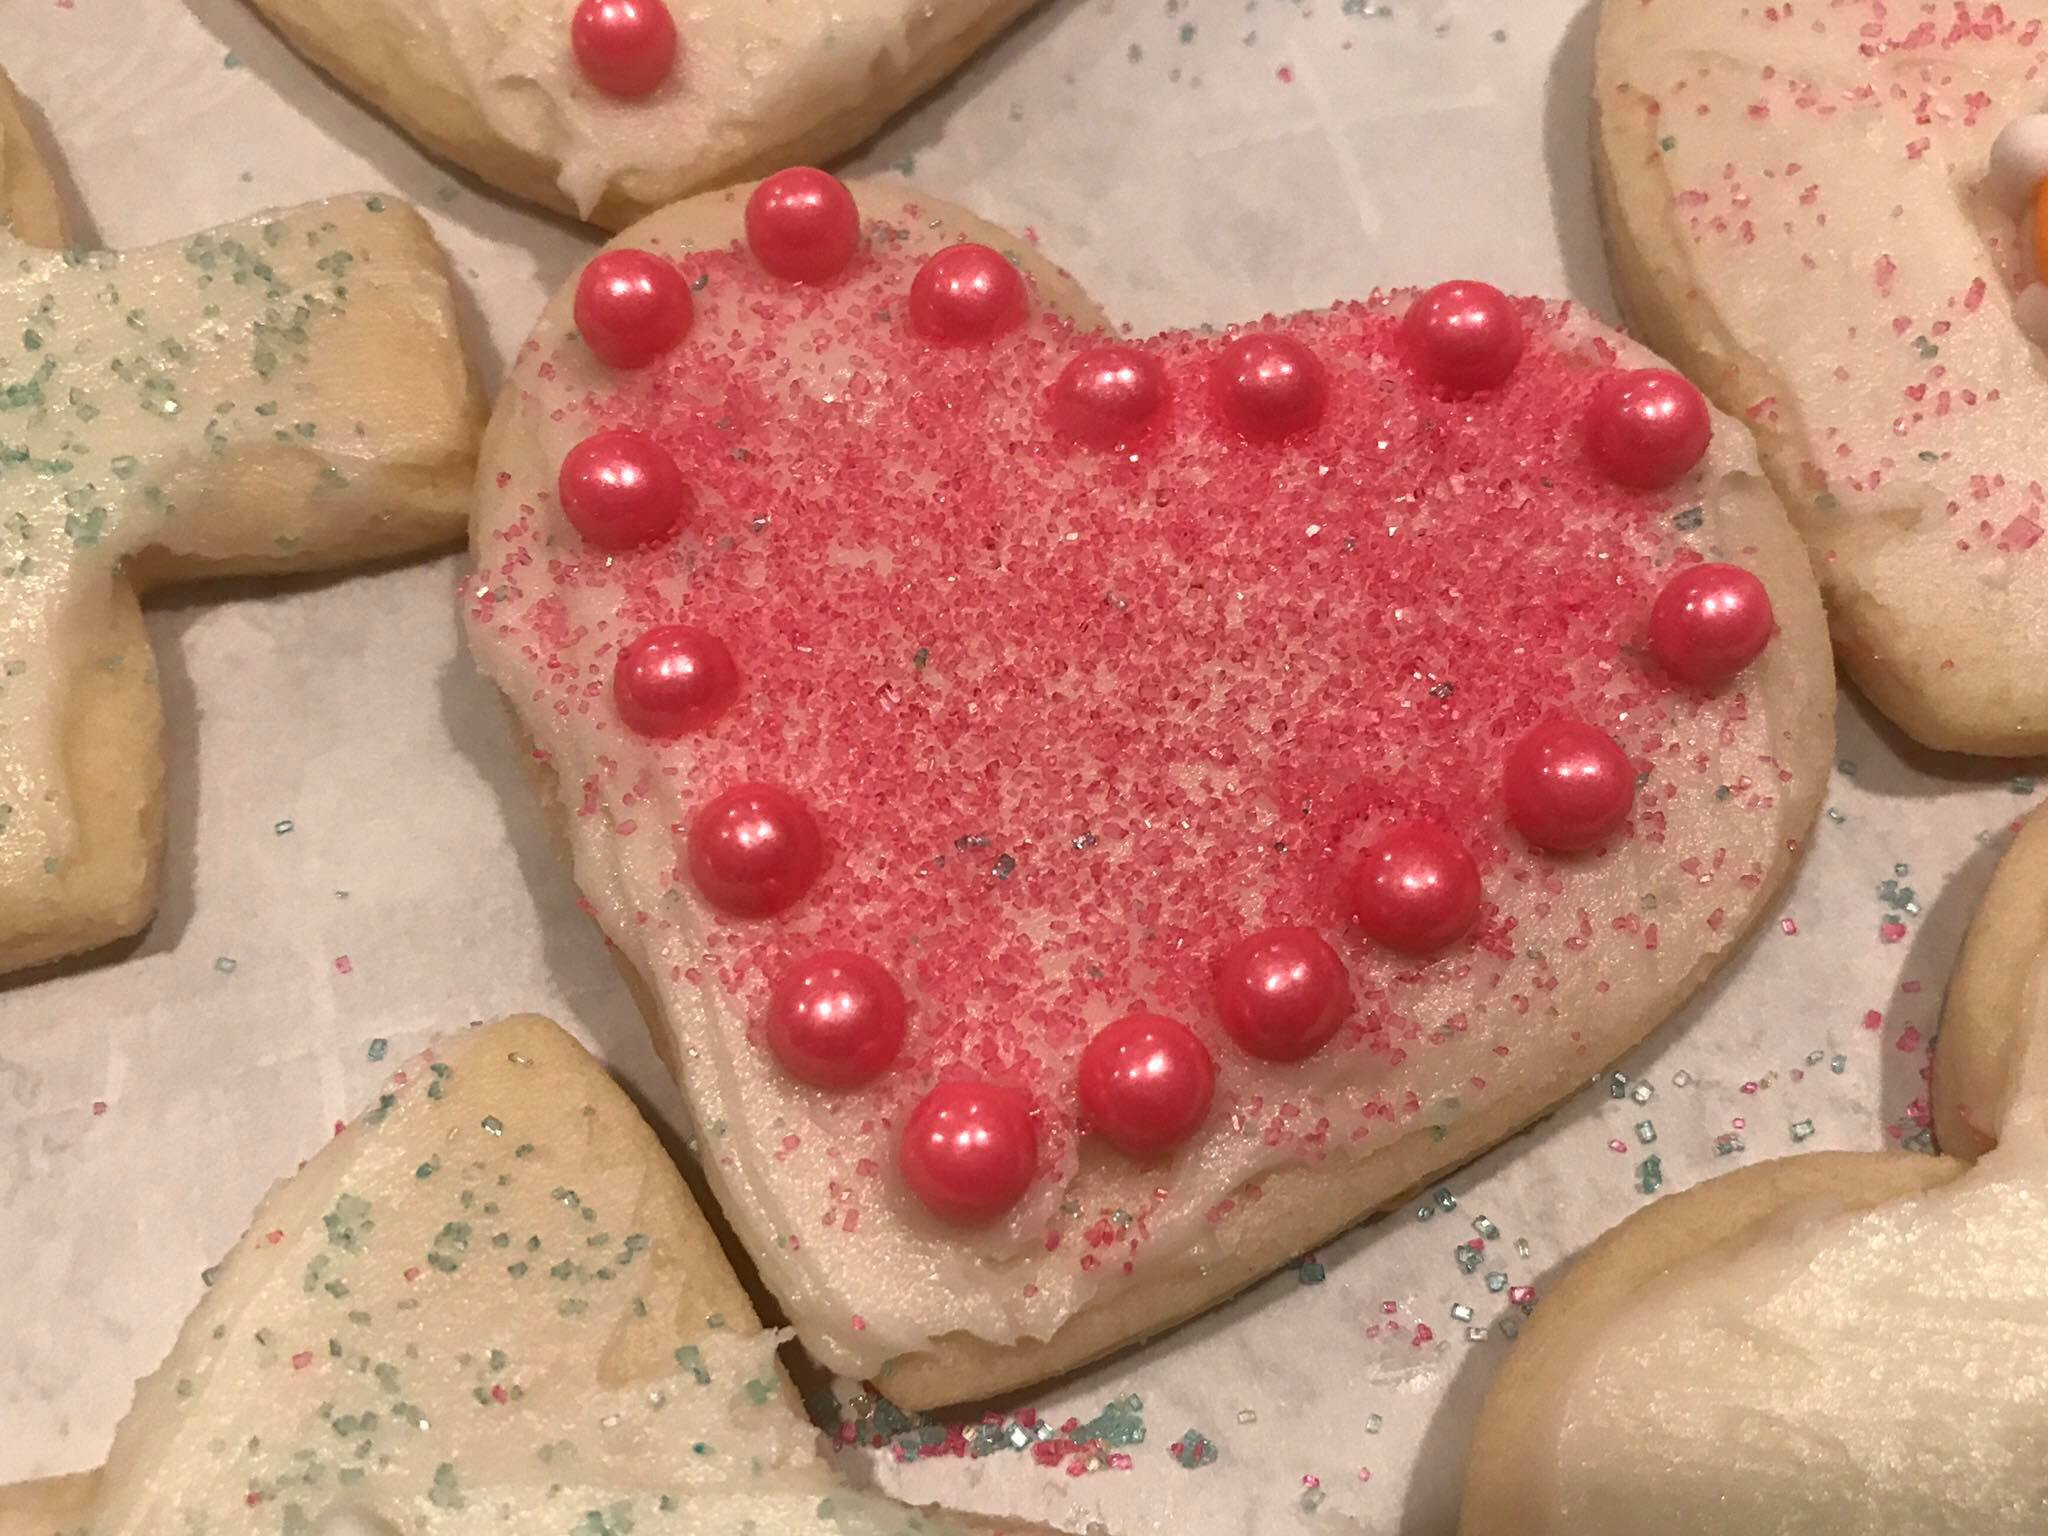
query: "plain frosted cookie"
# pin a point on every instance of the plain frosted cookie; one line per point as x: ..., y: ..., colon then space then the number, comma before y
x: 611, y: 108
x: 488, y: 1304
x: 1846, y: 1342
x: 1300, y: 755
x: 1804, y: 211
x: 285, y: 394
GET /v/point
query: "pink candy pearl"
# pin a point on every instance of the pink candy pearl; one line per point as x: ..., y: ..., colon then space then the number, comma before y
x: 802, y: 225
x: 626, y: 48
x: 1647, y: 428
x: 621, y: 489
x: 674, y: 678
x: 966, y: 293
x: 1710, y: 622
x: 1463, y: 336
x: 1108, y: 396
x: 631, y: 307
x: 1269, y: 386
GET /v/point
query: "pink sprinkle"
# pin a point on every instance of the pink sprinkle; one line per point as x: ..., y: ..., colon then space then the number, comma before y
x: 860, y: 1324
x: 252, y: 1500
x: 1890, y: 932
x: 1422, y: 1335
x: 274, y: 1236
x: 498, y: 1394
x: 342, y: 965
x: 99, y: 1106
x: 1873, y: 1019
x: 1284, y: 74
x: 1739, y: 1123
x: 2021, y: 533
x: 302, y: 1359
x: 1909, y: 1039
x: 1787, y: 926
x: 1910, y: 987
x: 1617, y: 1145
x: 1522, y: 1295
x: 412, y: 1274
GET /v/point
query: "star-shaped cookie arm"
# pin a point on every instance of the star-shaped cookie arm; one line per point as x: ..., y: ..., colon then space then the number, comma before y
x: 492, y: 1292
x: 285, y: 394
x: 1994, y: 1003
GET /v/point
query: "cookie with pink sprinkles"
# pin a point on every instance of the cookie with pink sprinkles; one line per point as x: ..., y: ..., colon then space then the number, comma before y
x: 1095, y: 817
x: 1826, y: 214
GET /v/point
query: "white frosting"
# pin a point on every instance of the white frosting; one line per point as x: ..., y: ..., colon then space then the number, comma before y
x: 749, y: 76
x: 220, y: 397
x: 453, y: 1321
x: 1882, y: 1372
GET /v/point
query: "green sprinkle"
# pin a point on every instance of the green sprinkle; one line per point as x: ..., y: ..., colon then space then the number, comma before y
x: 1801, y: 1129
x: 378, y: 1047
x: 1650, y: 1174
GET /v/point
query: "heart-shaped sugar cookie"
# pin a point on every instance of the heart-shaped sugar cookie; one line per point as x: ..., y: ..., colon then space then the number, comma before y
x: 972, y: 730
x: 611, y: 108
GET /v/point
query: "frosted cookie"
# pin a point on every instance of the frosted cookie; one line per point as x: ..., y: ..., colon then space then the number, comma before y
x: 284, y: 394
x: 1297, y: 755
x: 1841, y: 1342
x: 1804, y: 210
x: 487, y: 1304
x: 611, y: 108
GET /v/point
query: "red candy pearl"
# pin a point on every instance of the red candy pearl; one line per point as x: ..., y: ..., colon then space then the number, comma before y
x: 674, y: 678
x: 1145, y: 1084
x: 1647, y: 428
x: 1568, y: 786
x: 631, y: 307
x: 1710, y: 622
x: 1282, y: 993
x: 620, y: 489
x: 754, y: 850
x: 625, y: 48
x: 1417, y: 890
x: 1108, y: 395
x: 802, y: 225
x: 836, y: 1020
x: 969, y: 1151
x: 1463, y: 336
x: 966, y: 293
x: 1269, y: 386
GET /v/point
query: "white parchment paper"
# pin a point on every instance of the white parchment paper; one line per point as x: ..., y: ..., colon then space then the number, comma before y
x: 353, y: 854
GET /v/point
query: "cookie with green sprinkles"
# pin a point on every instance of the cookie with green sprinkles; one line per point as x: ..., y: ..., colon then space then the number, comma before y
x: 1832, y: 1342
x: 491, y: 1307
x: 284, y: 394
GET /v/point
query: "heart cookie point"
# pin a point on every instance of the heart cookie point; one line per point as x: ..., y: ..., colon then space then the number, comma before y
x: 1463, y: 336
x: 631, y: 307
x: 755, y: 850
x: 1647, y: 428
x: 966, y: 293
x: 674, y: 678
x: 802, y: 225
x: 969, y: 1151
x: 1145, y: 1084
x: 1282, y: 993
x: 621, y: 489
x: 1268, y: 386
x: 1569, y: 786
x: 1709, y: 623
x: 626, y: 48
x: 1418, y: 889
x: 836, y: 1020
